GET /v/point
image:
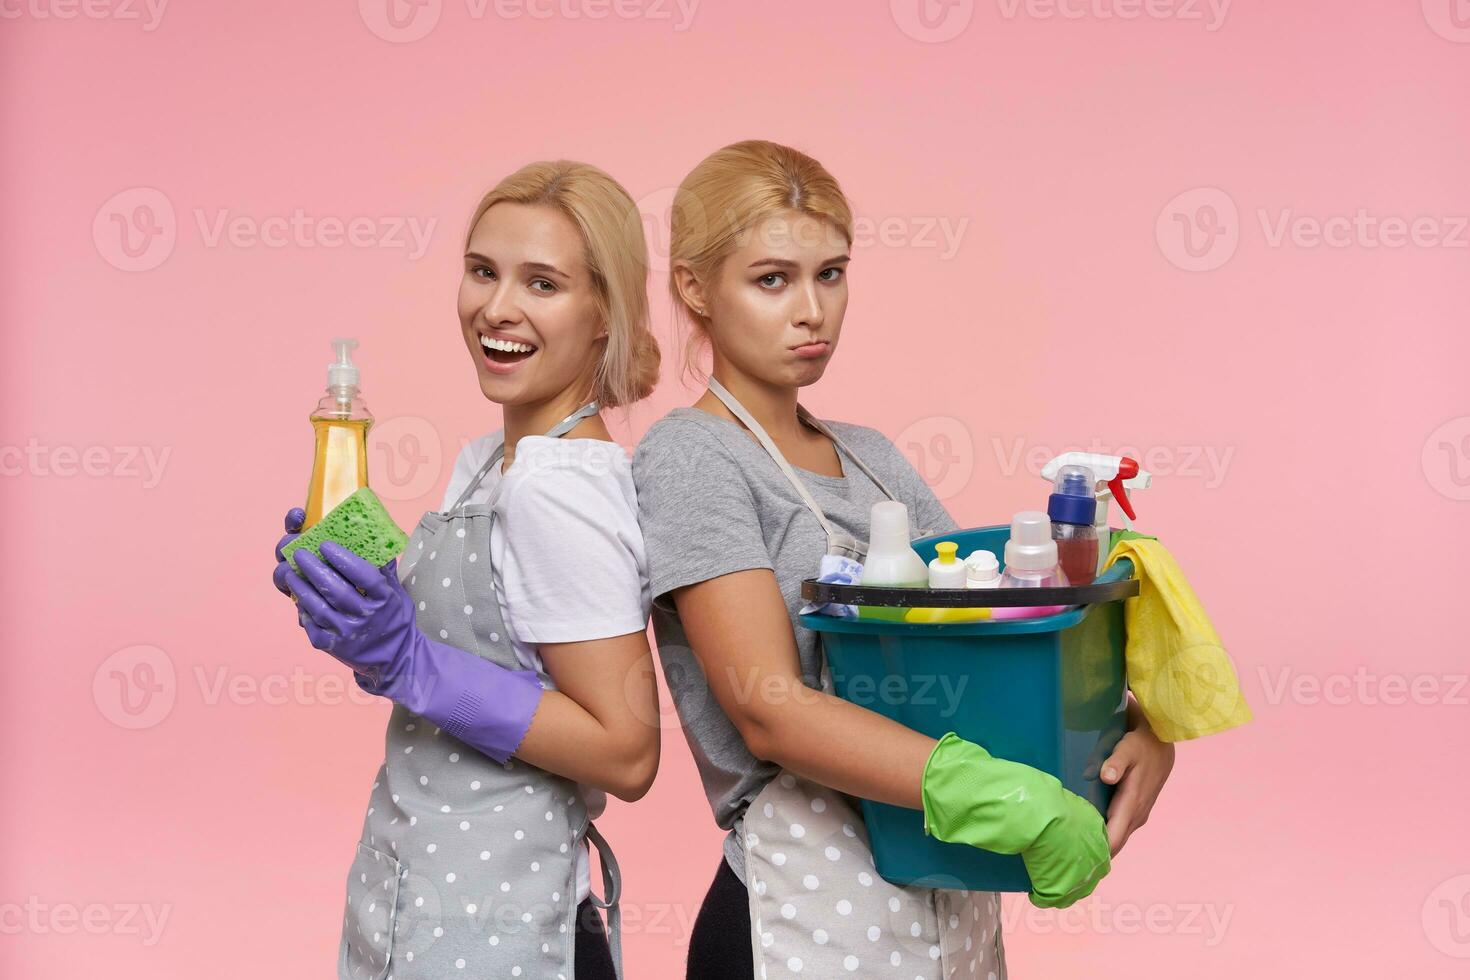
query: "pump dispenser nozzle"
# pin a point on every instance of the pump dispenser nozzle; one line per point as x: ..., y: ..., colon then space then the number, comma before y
x: 341, y: 422
x: 342, y: 373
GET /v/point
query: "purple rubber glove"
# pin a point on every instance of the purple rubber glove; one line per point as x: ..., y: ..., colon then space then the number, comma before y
x: 363, y: 616
x: 295, y: 517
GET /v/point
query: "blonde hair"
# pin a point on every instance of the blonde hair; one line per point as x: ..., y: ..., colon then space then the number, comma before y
x: 616, y: 255
x: 728, y: 193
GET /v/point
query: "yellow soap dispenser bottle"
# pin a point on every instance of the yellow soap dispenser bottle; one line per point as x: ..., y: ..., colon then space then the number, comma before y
x: 341, y: 421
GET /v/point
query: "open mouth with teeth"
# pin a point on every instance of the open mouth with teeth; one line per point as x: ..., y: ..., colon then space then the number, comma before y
x: 505, y: 351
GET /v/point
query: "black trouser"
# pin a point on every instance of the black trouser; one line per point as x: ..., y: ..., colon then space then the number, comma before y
x: 593, y: 960
x: 719, y: 948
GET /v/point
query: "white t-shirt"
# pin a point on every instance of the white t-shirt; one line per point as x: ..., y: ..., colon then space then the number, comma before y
x: 566, y: 553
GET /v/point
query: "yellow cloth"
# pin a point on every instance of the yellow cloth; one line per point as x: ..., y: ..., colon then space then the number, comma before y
x: 1178, y: 670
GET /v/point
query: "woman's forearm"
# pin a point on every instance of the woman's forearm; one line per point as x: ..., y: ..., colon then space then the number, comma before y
x: 839, y: 744
x: 567, y: 739
x: 598, y: 724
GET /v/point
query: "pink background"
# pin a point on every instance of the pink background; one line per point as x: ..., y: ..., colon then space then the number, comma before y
x: 173, y: 744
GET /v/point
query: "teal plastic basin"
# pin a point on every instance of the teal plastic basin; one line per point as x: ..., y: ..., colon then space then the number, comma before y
x: 1049, y: 692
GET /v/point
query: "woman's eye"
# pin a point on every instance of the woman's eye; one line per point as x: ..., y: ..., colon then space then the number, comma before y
x: 543, y: 285
x: 771, y: 280
x: 830, y: 275
x: 482, y: 272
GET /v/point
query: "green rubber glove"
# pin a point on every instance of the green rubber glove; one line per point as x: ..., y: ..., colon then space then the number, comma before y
x: 972, y: 798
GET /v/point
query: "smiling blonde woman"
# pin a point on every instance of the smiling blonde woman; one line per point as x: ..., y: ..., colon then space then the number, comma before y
x: 512, y: 636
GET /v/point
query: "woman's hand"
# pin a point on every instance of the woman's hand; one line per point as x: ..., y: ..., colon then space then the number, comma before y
x: 1139, y: 767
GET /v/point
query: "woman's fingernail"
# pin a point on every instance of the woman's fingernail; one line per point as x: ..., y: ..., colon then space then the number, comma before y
x: 1110, y: 773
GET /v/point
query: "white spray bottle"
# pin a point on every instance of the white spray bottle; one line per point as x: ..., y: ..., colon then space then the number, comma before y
x: 1116, y: 475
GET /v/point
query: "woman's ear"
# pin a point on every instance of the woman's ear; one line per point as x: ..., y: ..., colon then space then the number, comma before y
x: 691, y: 290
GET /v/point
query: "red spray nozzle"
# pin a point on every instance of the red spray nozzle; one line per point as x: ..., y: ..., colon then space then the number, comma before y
x: 1127, y: 470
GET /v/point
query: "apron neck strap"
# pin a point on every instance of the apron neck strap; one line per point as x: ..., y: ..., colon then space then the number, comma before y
x: 834, y: 537
x: 555, y: 432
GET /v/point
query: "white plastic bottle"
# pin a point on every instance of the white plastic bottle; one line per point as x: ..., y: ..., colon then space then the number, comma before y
x: 982, y: 571
x: 892, y: 562
x: 946, y: 571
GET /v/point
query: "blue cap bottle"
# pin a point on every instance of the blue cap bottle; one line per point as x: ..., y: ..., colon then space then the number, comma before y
x: 1072, y: 508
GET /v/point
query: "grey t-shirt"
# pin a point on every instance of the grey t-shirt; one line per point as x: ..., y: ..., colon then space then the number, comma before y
x: 712, y: 502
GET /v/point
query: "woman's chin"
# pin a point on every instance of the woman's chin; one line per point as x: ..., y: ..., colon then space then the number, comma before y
x: 806, y: 373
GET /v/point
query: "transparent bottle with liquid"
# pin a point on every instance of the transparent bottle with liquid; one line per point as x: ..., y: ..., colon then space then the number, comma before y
x: 1031, y: 563
x: 341, y: 421
x: 1072, y: 508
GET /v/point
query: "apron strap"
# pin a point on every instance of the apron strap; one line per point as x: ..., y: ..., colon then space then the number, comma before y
x: 835, y: 537
x: 825, y: 430
x: 555, y: 432
x: 612, y: 887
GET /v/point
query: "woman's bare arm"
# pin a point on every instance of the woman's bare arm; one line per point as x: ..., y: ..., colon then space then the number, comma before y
x: 600, y: 726
x: 740, y: 631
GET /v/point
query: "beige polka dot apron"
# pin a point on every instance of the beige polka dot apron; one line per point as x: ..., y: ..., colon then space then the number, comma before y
x: 466, y: 867
x: 818, y: 908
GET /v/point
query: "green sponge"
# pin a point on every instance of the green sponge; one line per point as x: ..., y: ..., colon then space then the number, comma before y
x: 360, y: 524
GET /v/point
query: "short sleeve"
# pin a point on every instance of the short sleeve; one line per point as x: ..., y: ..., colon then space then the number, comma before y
x: 574, y: 566
x: 927, y: 516
x: 696, y: 508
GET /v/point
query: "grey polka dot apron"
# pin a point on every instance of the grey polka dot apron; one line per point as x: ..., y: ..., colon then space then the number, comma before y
x: 818, y: 907
x: 466, y: 867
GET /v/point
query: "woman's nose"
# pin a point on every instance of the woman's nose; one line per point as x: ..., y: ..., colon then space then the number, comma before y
x: 810, y: 313
x: 501, y: 307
